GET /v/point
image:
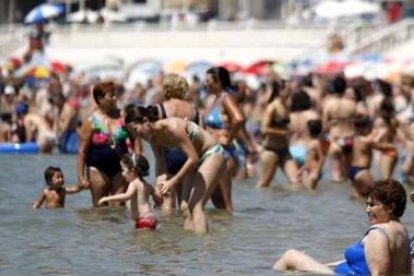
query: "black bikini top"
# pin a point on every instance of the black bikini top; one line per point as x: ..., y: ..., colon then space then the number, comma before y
x: 280, y: 122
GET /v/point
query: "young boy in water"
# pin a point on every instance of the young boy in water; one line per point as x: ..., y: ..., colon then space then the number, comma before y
x: 311, y: 171
x: 54, y: 195
x: 134, y: 168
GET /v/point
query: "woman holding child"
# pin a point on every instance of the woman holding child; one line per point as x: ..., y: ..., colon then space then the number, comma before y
x: 201, y: 171
x: 103, y: 140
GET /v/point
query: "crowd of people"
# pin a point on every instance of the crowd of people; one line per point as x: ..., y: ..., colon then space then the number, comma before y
x: 206, y: 134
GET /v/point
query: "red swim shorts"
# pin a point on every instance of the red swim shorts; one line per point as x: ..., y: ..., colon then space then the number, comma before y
x: 146, y: 223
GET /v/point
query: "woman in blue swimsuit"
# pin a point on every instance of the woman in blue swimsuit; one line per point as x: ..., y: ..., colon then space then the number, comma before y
x: 202, y: 169
x: 383, y: 250
x: 223, y: 120
x: 103, y: 140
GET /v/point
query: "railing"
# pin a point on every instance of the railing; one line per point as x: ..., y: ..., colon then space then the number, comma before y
x: 383, y: 40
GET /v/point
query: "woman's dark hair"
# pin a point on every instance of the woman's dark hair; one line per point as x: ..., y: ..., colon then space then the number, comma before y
x: 101, y: 89
x: 337, y: 85
x: 276, y: 87
x: 359, y: 92
x: 49, y: 172
x: 387, y: 108
x: 390, y: 192
x: 136, y: 162
x: 315, y: 127
x: 137, y: 114
x: 300, y: 101
x: 362, y: 121
x: 307, y: 80
x: 384, y: 87
x: 221, y: 75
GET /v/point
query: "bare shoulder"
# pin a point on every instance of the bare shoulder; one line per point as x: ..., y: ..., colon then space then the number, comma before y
x: 172, y: 123
x: 44, y: 192
x: 136, y: 183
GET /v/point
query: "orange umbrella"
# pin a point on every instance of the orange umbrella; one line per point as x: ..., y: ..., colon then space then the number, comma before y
x: 175, y: 66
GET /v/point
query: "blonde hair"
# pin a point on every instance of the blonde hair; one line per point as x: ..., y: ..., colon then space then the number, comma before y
x: 175, y: 86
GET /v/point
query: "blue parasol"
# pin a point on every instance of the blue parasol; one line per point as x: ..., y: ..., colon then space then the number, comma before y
x: 43, y: 12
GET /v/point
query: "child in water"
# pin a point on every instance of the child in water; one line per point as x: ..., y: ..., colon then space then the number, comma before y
x: 134, y: 168
x: 54, y: 195
x: 311, y: 171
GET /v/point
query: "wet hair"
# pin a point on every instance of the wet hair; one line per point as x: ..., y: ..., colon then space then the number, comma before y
x: 307, y: 81
x: 276, y: 87
x: 138, y: 114
x: 337, y: 85
x: 407, y: 80
x: 128, y: 107
x: 300, y: 101
x: 390, y: 192
x: 359, y: 92
x: 362, y: 121
x: 315, y: 127
x: 49, y: 172
x: 387, y: 108
x: 101, y: 89
x: 384, y: 87
x: 221, y: 75
x: 175, y: 86
x: 137, y: 163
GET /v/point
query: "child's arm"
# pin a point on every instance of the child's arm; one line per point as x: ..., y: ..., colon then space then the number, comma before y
x: 73, y: 189
x: 39, y: 201
x: 132, y: 189
x: 156, y: 196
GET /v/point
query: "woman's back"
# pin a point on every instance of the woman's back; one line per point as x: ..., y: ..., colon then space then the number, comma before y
x: 399, y: 248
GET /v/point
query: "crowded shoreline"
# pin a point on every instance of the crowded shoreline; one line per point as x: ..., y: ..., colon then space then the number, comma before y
x: 292, y: 123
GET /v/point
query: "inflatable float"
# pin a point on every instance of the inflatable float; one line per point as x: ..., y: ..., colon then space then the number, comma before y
x: 22, y: 148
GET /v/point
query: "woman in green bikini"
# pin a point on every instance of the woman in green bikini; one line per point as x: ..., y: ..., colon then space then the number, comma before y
x: 200, y: 173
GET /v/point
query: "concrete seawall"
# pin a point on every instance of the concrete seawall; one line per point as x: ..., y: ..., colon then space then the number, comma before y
x: 129, y: 45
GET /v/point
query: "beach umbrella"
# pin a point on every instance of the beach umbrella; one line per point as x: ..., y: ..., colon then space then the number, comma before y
x: 36, y: 71
x: 175, y: 66
x: 58, y: 67
x: 231, y: 66
x: 328, y: 9
x: 39, y: 72
x: 260, y: 67
x: 331, y: 67
x: 150, y: 67
x: 356, y: 7
x: 86, y: 15
x: 357, y: 69
x: 284, y: 71
x: 197, y: 68
x: 43, y: 12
